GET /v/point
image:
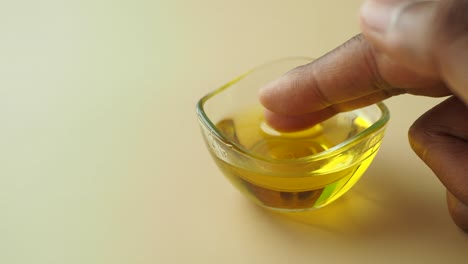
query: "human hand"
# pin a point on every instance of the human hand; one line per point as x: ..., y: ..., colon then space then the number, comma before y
x: 414, y: 47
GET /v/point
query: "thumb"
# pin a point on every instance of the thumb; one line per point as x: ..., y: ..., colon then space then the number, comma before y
x: 427, y: 37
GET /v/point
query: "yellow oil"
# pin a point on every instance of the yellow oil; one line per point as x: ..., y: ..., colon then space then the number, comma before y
x: 300, y: 189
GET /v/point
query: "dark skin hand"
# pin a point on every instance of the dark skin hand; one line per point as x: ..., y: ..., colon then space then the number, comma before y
x: 389, y: 59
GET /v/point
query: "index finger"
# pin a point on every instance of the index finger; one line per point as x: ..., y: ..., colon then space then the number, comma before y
x: 351, y: 76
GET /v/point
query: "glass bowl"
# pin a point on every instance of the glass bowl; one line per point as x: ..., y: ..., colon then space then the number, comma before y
x: 294, y: 171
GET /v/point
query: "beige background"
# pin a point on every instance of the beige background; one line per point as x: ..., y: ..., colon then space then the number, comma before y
x: 102, y: 160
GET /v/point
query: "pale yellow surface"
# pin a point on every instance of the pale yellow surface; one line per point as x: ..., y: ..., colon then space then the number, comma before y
x: 102, y: 161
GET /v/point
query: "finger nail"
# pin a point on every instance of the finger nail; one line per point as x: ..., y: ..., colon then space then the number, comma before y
x: 376, y: 15
x: 382, y: 16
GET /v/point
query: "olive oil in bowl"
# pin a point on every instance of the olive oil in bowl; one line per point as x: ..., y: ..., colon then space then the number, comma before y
x: 292, y: 188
